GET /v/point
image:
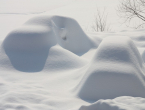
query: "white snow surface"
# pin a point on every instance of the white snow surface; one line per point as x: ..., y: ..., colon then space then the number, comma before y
x: 48, y: 62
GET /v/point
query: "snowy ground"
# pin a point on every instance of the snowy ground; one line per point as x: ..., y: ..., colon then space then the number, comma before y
x: 50, y: 59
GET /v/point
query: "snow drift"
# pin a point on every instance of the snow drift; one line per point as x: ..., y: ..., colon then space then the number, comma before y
x: 61, y: 53
x: 28, y: 46
x: 116, y: 70
x: 119, y: 103
x: 67, y: 31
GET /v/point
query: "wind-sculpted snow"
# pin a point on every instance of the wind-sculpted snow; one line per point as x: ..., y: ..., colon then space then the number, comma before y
x: 28, y: 46
x: 116, y: 70
x: 119, y: 103
x: 68, y: 69
x: 67, y: 31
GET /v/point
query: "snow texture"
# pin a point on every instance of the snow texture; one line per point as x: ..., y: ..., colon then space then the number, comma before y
x: 50, y: 63
x: 119, y: 103
x: 28, y: 46
x: 116, y: 66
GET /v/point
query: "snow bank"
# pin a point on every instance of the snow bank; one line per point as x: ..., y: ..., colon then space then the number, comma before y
x: 67, y: 31
x: 116, y: 70
x: 28, y: 46
x: 62, y: 59
x: 113, y: 78
x: 119, y: 103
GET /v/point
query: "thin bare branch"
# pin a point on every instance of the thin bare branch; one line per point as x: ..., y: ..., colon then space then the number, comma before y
x: 130, y: 9
x: 100, y: 23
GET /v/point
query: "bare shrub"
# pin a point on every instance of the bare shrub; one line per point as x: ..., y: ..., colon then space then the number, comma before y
x: 100, y: 23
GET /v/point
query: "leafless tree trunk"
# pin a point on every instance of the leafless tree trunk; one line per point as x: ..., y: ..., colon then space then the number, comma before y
x: 131, y: 9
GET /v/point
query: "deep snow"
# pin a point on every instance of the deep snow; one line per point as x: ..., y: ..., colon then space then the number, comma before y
x: 48, y: 62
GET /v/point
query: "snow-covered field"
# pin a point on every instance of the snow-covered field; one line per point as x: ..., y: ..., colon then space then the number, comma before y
x: 50, y: 59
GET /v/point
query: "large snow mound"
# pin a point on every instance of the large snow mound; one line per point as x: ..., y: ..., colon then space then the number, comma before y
x: 50, y: 30
x: 116, y: 70
x: 68, y: 32
x: 28, y: 46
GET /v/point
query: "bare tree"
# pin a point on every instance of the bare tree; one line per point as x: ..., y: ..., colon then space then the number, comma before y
x: 100, y: 23
x: 132, y: 9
